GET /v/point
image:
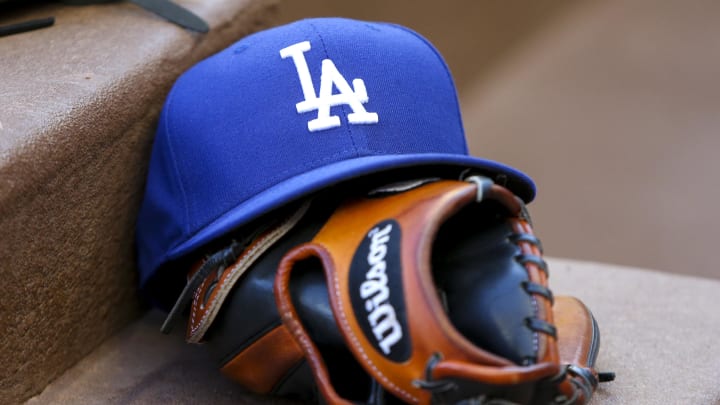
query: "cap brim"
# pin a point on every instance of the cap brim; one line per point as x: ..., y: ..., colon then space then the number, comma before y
x: 312, y: 181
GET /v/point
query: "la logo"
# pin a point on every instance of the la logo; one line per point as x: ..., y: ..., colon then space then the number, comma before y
x: 353, y: 97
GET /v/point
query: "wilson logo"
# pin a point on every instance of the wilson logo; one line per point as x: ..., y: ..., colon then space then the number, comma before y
x: 376, y: 290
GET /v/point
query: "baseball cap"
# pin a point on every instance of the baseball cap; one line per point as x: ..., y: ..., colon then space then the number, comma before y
x: 289, y: 111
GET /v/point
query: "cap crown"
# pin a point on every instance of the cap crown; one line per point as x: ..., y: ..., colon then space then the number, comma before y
x: 309, y: 97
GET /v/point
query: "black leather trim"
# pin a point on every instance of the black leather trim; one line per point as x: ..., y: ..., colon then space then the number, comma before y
x: 538, y: 325
x: 537, y: 260
x: 526, y: 237
x: 534, y: 288
x: 594, y: 343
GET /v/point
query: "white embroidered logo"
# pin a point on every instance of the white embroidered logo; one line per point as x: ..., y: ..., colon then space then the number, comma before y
x: 354, y: 97
x: 375, y: 291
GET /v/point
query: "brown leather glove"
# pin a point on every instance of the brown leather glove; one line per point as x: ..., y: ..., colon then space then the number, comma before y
x: 421, y: 292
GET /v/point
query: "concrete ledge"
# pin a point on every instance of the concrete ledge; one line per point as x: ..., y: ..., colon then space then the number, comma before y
x: 658, y: 331
x: 80, y: 100
x: 658, y: 335
x: 140, y: 365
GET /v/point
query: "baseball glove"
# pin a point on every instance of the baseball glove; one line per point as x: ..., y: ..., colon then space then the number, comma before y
x: 432, y: 291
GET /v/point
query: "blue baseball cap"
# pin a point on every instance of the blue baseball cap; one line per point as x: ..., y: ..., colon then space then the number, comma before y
x: 289, y: 111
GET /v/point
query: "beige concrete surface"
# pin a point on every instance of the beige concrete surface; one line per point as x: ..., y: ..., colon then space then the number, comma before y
x: 659, y: 334
x: 140, y: 365
x: 77, y: 117
x: 658, y: 331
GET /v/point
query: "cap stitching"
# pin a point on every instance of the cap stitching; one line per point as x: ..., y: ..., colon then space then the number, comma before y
x: 342, y: 107
x: 170, y: 127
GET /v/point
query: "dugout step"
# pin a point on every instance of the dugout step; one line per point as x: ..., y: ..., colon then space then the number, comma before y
x: 80, y: 101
